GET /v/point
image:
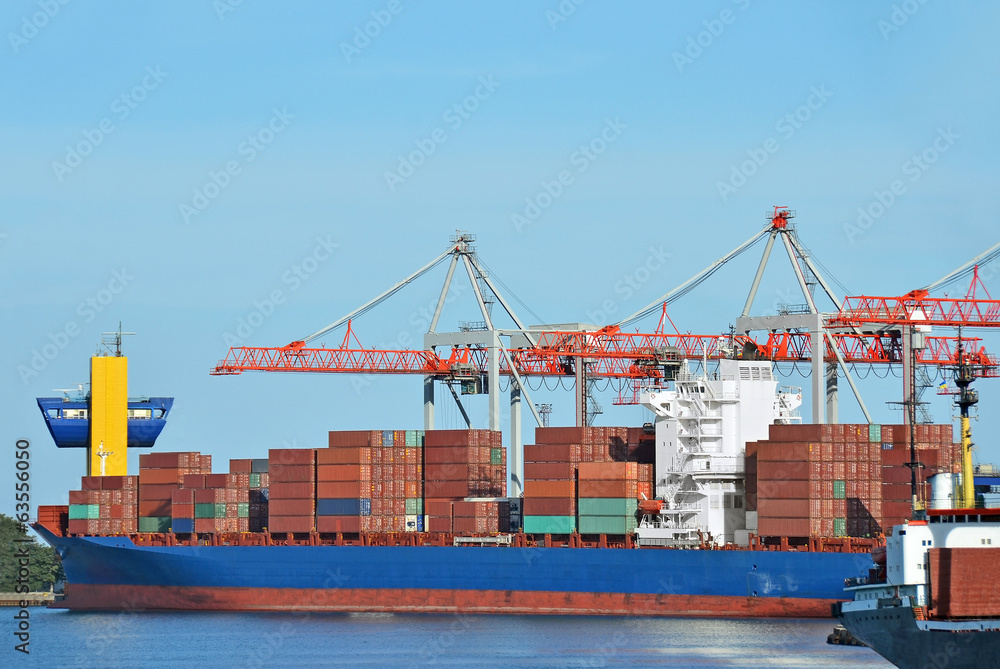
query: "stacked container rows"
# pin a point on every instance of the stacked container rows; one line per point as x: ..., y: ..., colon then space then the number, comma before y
x: 833, y: 480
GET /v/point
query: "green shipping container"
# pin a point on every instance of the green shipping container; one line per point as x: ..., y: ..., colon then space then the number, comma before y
x: 254, y: 480
x: 549, y: 524
x: 220, y: 509
x: 839, y: 527
x: 874, y: 432
x: 839, y: 490
x: 84, y: 511
x: 154, y: 524
x: 243, y: 510
x: 607, y: 525
x: 411, y: 506
x: 204, y: 510
x: 496, y: 456
x: 611, y: 506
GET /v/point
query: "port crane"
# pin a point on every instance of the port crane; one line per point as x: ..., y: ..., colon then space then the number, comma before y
x: 484, y: 353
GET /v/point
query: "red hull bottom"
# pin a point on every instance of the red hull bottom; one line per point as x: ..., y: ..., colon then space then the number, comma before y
x: 357, y: 600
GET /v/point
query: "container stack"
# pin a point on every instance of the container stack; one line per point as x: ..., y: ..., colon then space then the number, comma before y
x: 258, y: 495
x: 371, y: 481
x: 104, y: 505
x: 292, y: 498
x: 839, y: 480
x: 460, y: 465
x: 549, y: 505
x: 550, y: 475
x: 160, y: 474
x: 935, y: 450
x: 481, y: 515
x: 608, y: 497
x: 344, y: 483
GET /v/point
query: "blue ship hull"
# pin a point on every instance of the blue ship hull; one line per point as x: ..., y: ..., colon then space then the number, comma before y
x: 113, y: 573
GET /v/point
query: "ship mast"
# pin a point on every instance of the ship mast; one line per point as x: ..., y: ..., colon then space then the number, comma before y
x: 967, y: 397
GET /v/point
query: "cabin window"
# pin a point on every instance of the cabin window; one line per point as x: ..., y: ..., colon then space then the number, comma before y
x: 140, y: 413
x: 74, y: 413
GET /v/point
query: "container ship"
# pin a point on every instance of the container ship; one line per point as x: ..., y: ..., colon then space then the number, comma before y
x: 724, y: 506
x: 933, y: 598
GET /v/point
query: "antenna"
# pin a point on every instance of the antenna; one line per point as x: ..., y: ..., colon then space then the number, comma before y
x: 114, y: 339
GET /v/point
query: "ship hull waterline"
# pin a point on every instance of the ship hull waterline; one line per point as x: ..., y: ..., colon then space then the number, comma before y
x: 113, y: 573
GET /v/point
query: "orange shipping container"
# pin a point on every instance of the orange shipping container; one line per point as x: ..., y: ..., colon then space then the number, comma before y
x: 598, y: 488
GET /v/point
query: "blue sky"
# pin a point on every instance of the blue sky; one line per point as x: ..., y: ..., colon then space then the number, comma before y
x: 226, y: 145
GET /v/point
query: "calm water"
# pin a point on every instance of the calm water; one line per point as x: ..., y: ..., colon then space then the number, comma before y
x: 63, y: 639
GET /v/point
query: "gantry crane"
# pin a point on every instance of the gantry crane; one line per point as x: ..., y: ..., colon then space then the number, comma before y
x: 486, y: 352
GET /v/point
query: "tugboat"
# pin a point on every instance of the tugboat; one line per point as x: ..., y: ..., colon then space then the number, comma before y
x: 933, y: 599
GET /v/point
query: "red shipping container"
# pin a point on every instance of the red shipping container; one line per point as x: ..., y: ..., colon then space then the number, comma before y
x: 290, y: 457
x: 782, y: 508
x: 344, y: 456
x: 160, y: 476
x: 293, y: 473
x: 169, y: 460
x: 153, y: 492
x: 450, y: 472
x: 552, y: 453
x: 437, y: 507
x: 184, y: 496
x: 549, y: 506
x: 79, y: 496
x: 783, y: 489
x: 792, y: 471
x: 333, y: 524
x: 241, y: 465
x: 194, y: 481
x: 446, y: 488
x: 181, y: 510
x: 783, y: 527
x: 90, y: 483
x: 154, y: 508
x: 292, y: 491
x: 438, y: 524
x: 350, y: 438
x: 290, y: 523
x: 342, y: 489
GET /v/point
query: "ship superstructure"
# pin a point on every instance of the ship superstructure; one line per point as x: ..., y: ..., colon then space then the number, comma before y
x: 702, y: 428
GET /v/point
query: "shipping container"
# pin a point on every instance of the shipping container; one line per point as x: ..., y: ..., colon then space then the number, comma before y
x: 154, y: 524
x: 549, y: 524
x: 607, y: 506
x: 607, y: 524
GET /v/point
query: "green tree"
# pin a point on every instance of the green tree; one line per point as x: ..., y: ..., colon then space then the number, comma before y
x: 45, y: 566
